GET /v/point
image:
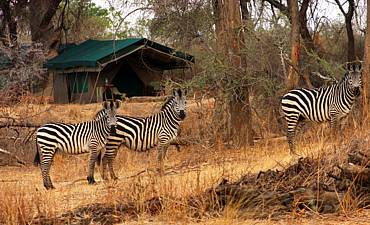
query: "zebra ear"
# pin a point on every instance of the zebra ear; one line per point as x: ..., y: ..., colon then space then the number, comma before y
x: 175, y: 93
x: 117, y: 104
x: 105, y: 105
x: 359, y: 66
x: 348, y: 66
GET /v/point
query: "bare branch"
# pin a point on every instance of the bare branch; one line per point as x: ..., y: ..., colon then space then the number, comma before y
x: 340, y: 7
x: 283, y: 8
x: 323, y: 77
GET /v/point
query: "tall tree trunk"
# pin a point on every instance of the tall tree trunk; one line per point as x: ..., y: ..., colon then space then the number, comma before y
x: 293, y: 75
x: 230, y: 40
x: 351, y: 55
x: 366, y: 69
x: 305, y: 33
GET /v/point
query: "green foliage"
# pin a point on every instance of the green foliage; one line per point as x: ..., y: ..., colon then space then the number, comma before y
x: 180, y: 22
x: 82, y: 20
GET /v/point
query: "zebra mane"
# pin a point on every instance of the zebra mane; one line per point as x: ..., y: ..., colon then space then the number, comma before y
x: 100, y: 114
x: 344, y: 78
x: 168, y: 102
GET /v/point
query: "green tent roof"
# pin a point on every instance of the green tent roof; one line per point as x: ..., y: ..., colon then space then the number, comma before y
x: 91, y: 53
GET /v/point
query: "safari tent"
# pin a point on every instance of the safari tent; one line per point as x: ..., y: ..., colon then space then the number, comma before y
x: 133, y: 66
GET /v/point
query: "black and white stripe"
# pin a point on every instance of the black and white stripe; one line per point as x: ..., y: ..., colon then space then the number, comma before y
x: 144, y: 133
x: 87, y: 137
x: 329, y: 103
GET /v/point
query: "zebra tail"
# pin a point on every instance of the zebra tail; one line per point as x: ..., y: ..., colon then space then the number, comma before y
x: 36, y: 161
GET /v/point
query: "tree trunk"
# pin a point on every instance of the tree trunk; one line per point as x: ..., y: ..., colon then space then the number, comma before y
x: 351, y: 56
x: 244, y: 9
x: 305, y: 33
x: 366, y: 69
x: 293, y: 75
x: 230, y: 39
x: 42, y: 30
x: 10, y: 20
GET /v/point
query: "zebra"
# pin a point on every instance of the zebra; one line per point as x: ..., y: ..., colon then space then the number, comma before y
x: 89, y: 136
x: 144, y: 133
x: 327, y: 103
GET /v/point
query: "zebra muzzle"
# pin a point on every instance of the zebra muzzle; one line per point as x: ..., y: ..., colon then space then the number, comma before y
x: 112, y: 129
x: 182, y: 114
x: 357, y: 91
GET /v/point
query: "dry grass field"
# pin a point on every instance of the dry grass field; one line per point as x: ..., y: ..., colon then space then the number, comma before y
x: 191, y: 171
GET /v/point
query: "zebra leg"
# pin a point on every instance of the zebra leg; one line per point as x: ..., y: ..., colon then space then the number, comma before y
x: 46, y: 160
x: 292, y: 124
x: 300, y: 125
x: 111, y: 159
x: 334, y: 123
x: 104, y: 166
x: 108, y: 160
x: 162, y: 152
x: 93, y: 158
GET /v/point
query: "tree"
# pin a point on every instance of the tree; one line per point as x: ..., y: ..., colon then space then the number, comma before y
x: 366, y: 68
x: 71, y: 20
x: 83, y: 20
x: 293, y: 76
x: 298, y: 19
x: 302, y: 15
x: 9, y: 21
x: 348, y: 20
x: 230, y: 40
x: 42, y: 30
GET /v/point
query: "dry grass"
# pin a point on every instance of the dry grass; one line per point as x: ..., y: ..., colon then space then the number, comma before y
x: 189, y: 172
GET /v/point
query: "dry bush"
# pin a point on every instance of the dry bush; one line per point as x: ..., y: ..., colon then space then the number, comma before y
x: 26, y: 74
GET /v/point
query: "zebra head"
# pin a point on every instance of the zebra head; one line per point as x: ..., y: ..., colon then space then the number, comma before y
x: 179, y: 104
x: 110, y: 111
x: 354, y: 75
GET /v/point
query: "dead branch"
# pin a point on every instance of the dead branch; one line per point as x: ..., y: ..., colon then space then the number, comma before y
x: 323, y: 77
x: 11, y: 122
x: 7, y: 158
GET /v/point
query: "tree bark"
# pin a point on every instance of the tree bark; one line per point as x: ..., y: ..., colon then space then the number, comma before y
x: 9, y: 19
x: 351, y: 54
x: 42, y: 30
x: 230, y: 40
x: 293, y: 76
x: 304, y: 32
x: 244, y: 9
x: 366, y: 69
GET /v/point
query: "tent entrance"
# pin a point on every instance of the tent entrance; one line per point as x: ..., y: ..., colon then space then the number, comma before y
x: 127, y: 82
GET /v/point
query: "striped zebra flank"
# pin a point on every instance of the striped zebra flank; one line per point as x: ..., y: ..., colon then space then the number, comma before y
x: 328, y: 103
x: 87, y: 137
x: 144, y: 133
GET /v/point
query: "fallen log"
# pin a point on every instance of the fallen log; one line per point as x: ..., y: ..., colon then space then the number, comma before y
x: 359, y: 158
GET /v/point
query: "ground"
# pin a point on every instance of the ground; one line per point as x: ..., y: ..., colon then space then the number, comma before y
x: 192, y: 170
